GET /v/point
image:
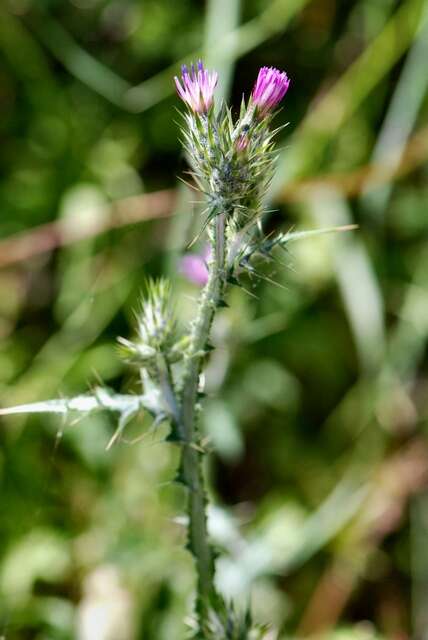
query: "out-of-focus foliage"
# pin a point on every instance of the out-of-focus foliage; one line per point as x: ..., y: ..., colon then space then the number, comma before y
x: 317, y: 395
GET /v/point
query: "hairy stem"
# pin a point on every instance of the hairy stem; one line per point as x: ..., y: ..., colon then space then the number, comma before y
x: 192, y: 457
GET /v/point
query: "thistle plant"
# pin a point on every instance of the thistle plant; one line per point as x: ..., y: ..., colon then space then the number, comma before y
x: 232, y: 161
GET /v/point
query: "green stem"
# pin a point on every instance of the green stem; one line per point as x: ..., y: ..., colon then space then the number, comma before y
x: 192, y: 456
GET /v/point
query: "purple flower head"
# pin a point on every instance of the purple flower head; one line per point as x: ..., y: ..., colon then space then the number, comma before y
x: 270, y: 88
x: 197, y: 86
x: 194, y: 267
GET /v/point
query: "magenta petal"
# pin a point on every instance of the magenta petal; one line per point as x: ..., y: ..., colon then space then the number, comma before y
x: 270, y: 87
x: 197, y: 87
x: 194, y: 268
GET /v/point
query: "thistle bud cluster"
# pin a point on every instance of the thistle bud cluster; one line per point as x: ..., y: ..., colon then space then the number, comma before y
x: 227, y: 622
x: 156, y: 329
x: 232, y: 160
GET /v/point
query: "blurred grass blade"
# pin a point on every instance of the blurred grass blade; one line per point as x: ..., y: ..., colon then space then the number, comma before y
x: 401, y: 117
x: 80, y: 63
x: 342, y: 504
x: 24, y: 54
x: 410, y: 335
x: 357, y: 281
x: 222, y: 18
x: 305, y: 153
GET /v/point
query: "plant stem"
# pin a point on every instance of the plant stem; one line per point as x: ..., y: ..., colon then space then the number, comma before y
x: 192, y: 455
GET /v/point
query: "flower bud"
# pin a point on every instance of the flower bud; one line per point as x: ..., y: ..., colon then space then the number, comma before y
x: 156, y: 323
x: 194, y: 266
x: 136, y: 352
x: 197, y: 86
x: 242, y: 143
x: 270, y: 88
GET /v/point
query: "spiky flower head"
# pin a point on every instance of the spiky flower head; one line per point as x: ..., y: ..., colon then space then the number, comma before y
x: 156, y: 326
x: 197, y: 86
x: 232, y: 160
x: 225, y: 621
x: 270, y: 88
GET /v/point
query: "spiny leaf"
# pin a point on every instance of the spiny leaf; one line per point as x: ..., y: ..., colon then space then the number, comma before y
x: 124, y: 418
x: 126, y: 405
x: 100, y: 399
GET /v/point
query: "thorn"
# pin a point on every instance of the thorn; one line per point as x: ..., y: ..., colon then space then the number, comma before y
x: 197, y: 447
x: 179, y: 478
x: 234, y: 281
x: 199, y: 354
x: 174, y: 437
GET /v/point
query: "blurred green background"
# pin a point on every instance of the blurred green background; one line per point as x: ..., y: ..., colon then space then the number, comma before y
x: 318, y: 393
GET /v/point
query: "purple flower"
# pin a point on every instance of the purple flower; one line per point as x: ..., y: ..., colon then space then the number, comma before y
x: 270, y: 88
x: 197, y: 86
x: 194, y: 267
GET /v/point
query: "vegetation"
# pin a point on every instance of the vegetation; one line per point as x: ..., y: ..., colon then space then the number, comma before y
x: 316, y: 403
